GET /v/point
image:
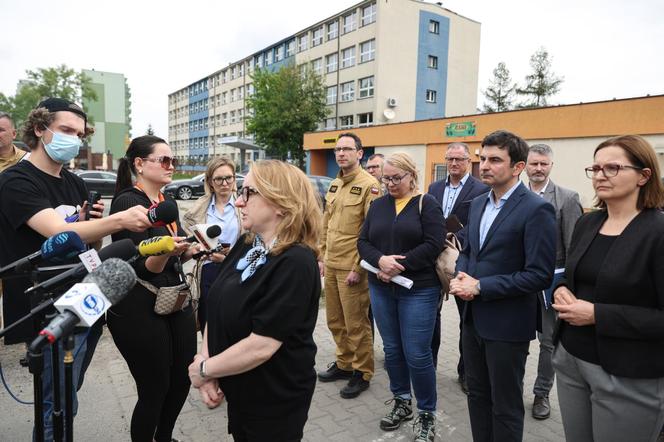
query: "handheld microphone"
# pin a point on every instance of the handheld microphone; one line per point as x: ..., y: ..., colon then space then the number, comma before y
x: 86, y: 302
x: 158, y: 245
x: 123, y: 249
x: 205, y: 234
x: 57, y: 249
x: 163, y: 213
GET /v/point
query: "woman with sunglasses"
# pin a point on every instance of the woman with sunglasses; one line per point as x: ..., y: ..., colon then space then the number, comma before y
x: 157, y: 348
x: 258, y: 346
x: 217, y: 206
x: 609, y: 354
x: 403, y: 234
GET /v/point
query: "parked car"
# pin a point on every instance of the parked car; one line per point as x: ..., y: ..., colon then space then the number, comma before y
x: 100, y: 181
x: 193, y: 187
x: 321, y: 184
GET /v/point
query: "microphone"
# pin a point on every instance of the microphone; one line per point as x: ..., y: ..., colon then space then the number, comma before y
x: 86, y: 302
x: 163, y: 213
x: 157, y: 245
x: 123, y: 249
x: 58, y: 248
x: 205, y: 234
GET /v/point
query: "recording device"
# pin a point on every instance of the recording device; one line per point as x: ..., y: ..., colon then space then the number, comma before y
x: 219, y: 248
x: 93, y: 198
x: 124, y: 249
x: 206, y: 235
x: 163, y: 213
x: 86, y: 302
x: 57, y: 249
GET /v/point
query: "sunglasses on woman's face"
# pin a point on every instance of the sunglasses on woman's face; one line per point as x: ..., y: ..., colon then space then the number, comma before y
x: 166, y: 162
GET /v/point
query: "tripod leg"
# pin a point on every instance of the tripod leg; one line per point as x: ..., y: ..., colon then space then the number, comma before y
x: 58, y: 423
x: 36, y: 365
x: 69, y: 388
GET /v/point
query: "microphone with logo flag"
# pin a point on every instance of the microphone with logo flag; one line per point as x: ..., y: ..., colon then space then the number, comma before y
x: 57, y: 249
x: 163, y: 213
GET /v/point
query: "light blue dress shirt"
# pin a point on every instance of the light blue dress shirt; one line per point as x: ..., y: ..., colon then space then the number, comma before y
x: 451, y: 194
x: 227, y: 221
x: 491, y: 211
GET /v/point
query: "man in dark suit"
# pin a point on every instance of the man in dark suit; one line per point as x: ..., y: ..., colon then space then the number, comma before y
x: 568, y: 210
x: 508, y: 258
x: 454, y: 195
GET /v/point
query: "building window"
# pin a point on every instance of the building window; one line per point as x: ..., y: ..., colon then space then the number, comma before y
x: 303, y: 69
x: 240, y: 114
x: 233, y: 96
x: 224, y: 119
x: 369, y: 14
x: 303, y: 43
x: 332, y: 30
x: 224, y: 95
x: 218, y: 120
x: 367, y: 51
x: 348, y: 57
x: 279, y: 53
x: 317, y: 66
x: 250, y: 89
x: 433, y: 62
x: 345, y: 122
x: 259, y: 62
x: 349, y: 22
x: 431, y: 96
x: 290, y: 48
x: 331, y: 95
x: 366, y: 87
x: 434, y: 27
x: 232, y: 117
x: 365, y: 119
x: 331, y: 62
x: 347, y: 91
x: 240, y: 93
x: 268, y: 57
x: 317, y: 37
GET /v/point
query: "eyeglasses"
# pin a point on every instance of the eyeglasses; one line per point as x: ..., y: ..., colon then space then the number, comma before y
x: 344, y: 149
x: 396, y: 179
x: 609, y: 170
x: 246, y: 192
x: 373, y: 167
x: 221, y: 179
x: 455, y: 159
x: 166, y: 162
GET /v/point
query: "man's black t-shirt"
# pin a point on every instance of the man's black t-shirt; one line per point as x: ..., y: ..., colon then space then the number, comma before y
x: 280, y: 301
x: 26, y: 190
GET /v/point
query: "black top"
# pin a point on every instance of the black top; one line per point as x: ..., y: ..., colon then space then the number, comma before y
x: 280, y: 300
x: 419, y: 237
x: 26, y: 190
x: 629, y: 293
x: 580, y: 341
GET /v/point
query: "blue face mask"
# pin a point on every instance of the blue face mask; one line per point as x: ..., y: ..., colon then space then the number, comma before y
x: 62, y: 148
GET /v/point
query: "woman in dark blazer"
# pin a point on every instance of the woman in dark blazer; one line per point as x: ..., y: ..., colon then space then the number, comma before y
x: 609, y: 357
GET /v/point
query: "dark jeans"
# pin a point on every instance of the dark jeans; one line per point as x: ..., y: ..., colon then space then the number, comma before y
x: 494, y: 373
x: 405, y: 320
x: 545, y: 373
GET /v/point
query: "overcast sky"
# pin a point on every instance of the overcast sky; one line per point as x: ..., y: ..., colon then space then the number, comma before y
x: 602, y: 48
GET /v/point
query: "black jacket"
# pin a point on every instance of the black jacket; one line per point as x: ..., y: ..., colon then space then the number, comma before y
x: 629, y: 294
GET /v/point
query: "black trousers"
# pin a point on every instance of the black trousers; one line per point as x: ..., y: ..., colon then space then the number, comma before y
x: 282, y: 427
x: 435, y: 340
x: 209, y: 274
x: 494, y: 373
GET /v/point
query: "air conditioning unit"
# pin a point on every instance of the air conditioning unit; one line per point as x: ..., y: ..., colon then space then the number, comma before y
x: 392, y: 102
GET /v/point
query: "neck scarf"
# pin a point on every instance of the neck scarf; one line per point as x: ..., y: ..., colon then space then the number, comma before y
x: 255, y: 257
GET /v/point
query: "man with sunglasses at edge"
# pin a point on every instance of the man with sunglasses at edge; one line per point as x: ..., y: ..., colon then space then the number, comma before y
x: 346, y: 283
x: 39, y: 199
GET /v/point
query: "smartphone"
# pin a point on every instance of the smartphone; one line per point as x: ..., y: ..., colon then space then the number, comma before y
x: 93, y: 198
x: 225, y: 245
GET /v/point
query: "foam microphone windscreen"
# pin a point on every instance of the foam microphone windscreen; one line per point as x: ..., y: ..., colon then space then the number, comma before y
x: 163, y: 213
x: 62, y: 247
x: 213, y: 231
x: 114, y: 277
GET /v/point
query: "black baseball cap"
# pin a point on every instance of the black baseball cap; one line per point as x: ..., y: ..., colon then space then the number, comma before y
x: 60, y: 104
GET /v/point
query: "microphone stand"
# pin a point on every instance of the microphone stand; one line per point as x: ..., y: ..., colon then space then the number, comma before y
x: 35, y: 358
x: 58, y: 423
x: 69, y: 387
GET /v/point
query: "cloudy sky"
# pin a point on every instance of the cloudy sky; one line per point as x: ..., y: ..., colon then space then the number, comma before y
x: 604, y: 49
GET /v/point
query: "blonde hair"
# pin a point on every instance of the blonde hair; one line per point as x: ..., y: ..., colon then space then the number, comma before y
x: 289, y: 189
x: 405, y: 162
x: 214, y: 164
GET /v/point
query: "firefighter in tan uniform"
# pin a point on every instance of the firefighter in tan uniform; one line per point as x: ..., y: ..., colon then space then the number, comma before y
x: 346, y: 285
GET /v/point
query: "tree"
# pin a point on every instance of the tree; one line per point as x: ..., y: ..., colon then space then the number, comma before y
x: 285, y: 104
x: 150, y: 131
x: 500, y: 93
x: 542, y: 82
x: 60, y: 81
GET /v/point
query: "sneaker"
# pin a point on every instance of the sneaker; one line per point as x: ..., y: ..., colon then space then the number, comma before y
x: 541, y: 407
x: 334, y: 373
x: 355, y: 386
x: 425, y: 427
x: 401, y: 411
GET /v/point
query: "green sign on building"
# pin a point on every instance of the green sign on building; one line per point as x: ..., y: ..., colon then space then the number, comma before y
x: 464, y: 129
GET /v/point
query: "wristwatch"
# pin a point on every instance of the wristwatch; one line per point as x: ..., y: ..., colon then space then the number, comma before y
x: 479, y: 288
x: 201, y: 369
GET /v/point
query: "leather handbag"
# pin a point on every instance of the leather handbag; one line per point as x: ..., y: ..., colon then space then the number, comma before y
x: 168, y: 299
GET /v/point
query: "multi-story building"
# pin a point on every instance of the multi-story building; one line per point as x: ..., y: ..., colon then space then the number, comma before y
x: 381, y: 61
x: 111, y: 115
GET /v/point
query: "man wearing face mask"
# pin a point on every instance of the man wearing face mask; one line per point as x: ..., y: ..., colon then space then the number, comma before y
x: 38, y: 199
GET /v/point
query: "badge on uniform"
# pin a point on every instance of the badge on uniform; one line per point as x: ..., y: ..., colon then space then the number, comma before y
x: 333, y: 188
x: 375, y: 191
x: 356, y: 190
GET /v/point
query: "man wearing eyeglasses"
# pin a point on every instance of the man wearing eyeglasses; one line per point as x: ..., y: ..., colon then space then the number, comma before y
x: 454, y: 195
x: 375, y: 165
x: 568, y: 210
x: 346, y: 283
